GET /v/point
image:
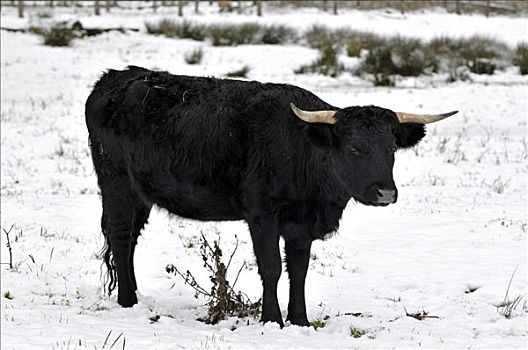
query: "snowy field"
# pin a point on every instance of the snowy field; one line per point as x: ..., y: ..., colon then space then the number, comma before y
x: 449, y: 246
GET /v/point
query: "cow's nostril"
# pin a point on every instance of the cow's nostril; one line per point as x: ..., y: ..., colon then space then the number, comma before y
x: 387, y: 196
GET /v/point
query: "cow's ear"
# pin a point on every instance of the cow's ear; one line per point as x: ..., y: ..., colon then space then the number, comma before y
x: 409, y: 134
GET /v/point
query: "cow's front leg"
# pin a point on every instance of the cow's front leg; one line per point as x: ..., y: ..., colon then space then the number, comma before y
x: 297, y: 258
x: 266, y: 247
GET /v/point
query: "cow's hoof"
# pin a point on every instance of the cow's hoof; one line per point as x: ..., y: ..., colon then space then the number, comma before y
x: 273, y: 319
x: 128, y: 301
x: 299, y: 321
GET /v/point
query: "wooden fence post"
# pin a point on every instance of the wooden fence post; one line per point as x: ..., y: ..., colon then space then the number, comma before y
x: 259, y: 8
x: 20, y: 9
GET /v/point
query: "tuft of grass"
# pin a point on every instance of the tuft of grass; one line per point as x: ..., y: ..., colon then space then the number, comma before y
x: 234, y: 34
x: 194, y: 57
x: 326, y: 64
x: 177, y: 29
x: 520, y: 57
x: 239, y: 73
x: 357, y: 41
x: 508, y: 306
x: 59, y: 35
x: 356, y: 332
x: 8, y: 295
x: 354, y: 46
x: 319, y: 36
x: 277, y: 34
x: 318, y: 323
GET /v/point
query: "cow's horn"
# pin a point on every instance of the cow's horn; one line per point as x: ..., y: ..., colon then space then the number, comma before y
x: 422, y: 118
x: 314, y: 116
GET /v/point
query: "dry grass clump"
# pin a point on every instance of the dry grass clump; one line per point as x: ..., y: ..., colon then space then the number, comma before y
x: 223, y: 300
x: 520, y: 58
x: 326, y: 64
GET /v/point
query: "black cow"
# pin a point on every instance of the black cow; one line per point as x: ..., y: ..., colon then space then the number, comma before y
x: 219, y: 149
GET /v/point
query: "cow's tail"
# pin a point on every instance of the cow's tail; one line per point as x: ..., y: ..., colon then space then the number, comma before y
x: 110, y: 277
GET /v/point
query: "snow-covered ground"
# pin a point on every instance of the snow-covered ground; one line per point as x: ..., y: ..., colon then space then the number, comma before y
x: 459, y: 226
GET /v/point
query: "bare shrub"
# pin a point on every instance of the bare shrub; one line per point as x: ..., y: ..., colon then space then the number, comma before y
x: 223, y: 300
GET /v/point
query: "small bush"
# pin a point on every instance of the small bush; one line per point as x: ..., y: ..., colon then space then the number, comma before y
x: 386, y: 58
x: 165, y: 27
x: 177, y: 29
x: 477, y: 47
x: 378, y: 62
x: 318, y: 37
x: 354, y: 47
x: 407, y: 56
x: 357, y: 40
x: 239, y: 73
x: 481, y: 54
x: 194, y: 57
x: 326, y: 64
x: 232, y: 34
x: 193, y: 31
x: 482, y: 66
x: 521, y: 57
x: 59, y: 35
x: 277, y: 34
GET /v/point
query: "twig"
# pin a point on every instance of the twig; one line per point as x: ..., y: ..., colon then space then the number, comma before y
x: 8, y: 244
x: 420, y: 316
x: 115, y: 341
x: 233, y: 253
x: 509, y: 284
x: 188, y: 279
x: 107, y: 336
x: 238, y: 274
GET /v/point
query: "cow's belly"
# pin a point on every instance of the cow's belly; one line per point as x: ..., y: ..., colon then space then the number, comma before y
x: 189, y: 200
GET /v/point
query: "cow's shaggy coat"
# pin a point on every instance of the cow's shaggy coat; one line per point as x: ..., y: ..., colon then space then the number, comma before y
x: 213, y: 149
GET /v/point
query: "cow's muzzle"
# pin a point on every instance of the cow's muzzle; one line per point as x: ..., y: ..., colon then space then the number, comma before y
x: 386, y: 196
x: 379, y: 195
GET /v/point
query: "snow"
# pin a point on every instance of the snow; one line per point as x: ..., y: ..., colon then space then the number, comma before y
x: 460, y: 222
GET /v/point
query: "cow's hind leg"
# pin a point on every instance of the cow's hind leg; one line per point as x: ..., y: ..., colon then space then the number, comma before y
x: 120, y: 214
x: 141, y: 218
x: 118, y: 228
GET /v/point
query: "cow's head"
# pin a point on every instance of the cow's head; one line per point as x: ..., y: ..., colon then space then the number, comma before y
x: 366, y: 139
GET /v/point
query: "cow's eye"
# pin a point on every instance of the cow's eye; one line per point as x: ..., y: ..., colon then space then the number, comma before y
x: 355, y: 151
x: 392, y: 150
